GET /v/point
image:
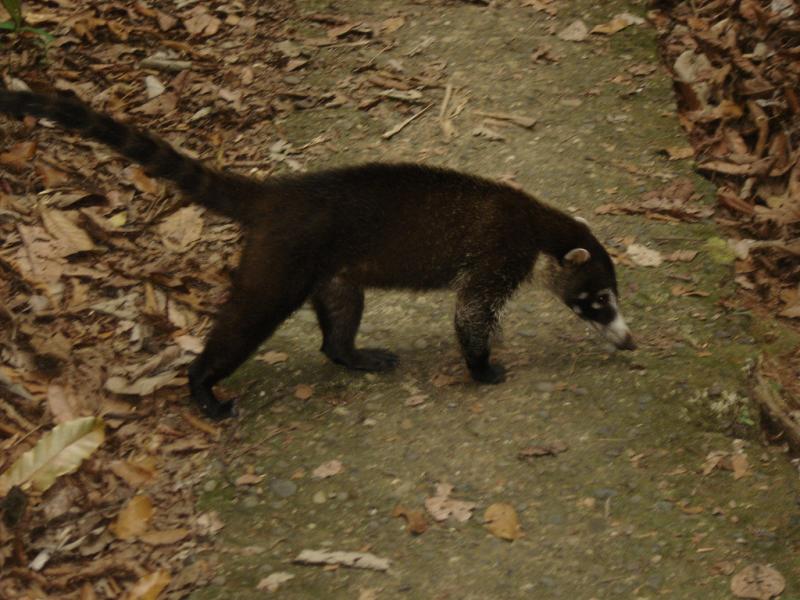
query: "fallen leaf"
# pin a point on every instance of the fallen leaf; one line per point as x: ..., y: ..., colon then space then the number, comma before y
x: 682, y: 256
x: 182, y: 229
x: 416, y: 523
x: 617, y: 24
x: 760, y: 582
x: 574, y: 32
x: 303, y: 392
x: 273, y: 358
x: 327, y: 469
x: 70, y: 239
x: 441, y: 506
x: 740, y: 466
x: 249, y: 479
x: 133, y: 518
x: 416, y: 400
x: 501, y: 521
x: 273, y: 581
x: 164, y: 537
x: 644, y: 256
x: 58, y: 452
x: 550, y: 449
x: 19, y: 155
x: 679, y: 152
x: 135, y: 474
x: 141, y: 181
x: 357, y: 560
x: 150, y: 586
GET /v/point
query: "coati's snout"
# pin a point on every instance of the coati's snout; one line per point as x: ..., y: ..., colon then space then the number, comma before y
x: 586, y: 283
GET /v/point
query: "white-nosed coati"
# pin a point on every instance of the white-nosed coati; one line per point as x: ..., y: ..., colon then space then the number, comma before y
x: 328, y: 235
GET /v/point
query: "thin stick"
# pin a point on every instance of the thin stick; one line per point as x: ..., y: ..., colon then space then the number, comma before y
x: 400, y: 126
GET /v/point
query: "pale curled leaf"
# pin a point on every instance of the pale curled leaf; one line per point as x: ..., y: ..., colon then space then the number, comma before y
x: 356, y: 560
x: 70, y: 238
x: 760, y: 582
x: 59, y: 452
x: 273, y: 581
x: 149, y: 587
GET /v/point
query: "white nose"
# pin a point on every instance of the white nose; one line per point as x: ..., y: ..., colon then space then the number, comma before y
x: 617, y: 333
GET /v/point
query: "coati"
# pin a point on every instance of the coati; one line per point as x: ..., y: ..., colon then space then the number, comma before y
x: 330, y: 234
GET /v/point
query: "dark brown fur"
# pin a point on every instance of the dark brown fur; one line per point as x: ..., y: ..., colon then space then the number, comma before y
x: 328, y: 235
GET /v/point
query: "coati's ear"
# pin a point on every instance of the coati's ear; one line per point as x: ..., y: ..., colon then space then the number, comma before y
x: 582, y: 220
x: 577, y: 256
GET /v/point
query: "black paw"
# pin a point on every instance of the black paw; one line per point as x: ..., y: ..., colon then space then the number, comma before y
x: 367, y: 359
x: 488, y: 373
x: 211, y: 407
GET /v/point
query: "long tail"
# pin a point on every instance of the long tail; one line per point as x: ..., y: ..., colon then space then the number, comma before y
x: 225, y: 193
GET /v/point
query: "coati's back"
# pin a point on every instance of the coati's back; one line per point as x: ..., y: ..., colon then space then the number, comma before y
x: 409, y: 225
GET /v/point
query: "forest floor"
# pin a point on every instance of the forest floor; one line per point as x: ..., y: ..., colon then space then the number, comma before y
x: 617, y: 475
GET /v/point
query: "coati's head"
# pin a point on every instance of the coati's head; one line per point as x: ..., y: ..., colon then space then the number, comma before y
x: 583, y: 277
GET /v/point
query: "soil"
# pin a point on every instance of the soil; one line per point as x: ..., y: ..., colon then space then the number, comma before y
x: 626, y: 511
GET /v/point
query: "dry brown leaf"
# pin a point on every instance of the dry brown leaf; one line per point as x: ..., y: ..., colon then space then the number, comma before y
x: 327, y: 469
x: 358, y: 560
x: 682, y: 256
x: 303, y: 391
x: 740, y: 466
x: 441, y: 506
x: 574, y: 32
x: 644, y: 256
x: 164, y: 537
x: 272, y: 357
x: 135, y: 474
x: 51, y: 177
x: 133, y: 518
x: 273, y: 581
x: 549, y: 449
x: 150, y: 586
x: 19, y: 155
x: 501, y: 520
x: 416, y: 523
x: 141, y: 181
x: 760, y: 582
x: 69, y: 238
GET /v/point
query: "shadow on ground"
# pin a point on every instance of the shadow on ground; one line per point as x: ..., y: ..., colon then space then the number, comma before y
x: 626, y: 511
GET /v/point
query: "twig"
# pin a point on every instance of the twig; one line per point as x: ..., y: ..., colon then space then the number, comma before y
x: 402, y: 125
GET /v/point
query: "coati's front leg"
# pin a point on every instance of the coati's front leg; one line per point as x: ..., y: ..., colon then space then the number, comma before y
x: 268, y: 287
x: 339, y: 306
x: 476, y: 318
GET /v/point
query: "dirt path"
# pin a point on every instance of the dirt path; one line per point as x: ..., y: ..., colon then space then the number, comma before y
x: 626, y: 511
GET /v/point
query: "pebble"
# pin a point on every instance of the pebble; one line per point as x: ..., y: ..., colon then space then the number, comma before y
x: 320, y: 498
x: 603, y: 493
x: 250, y: 502
x: 283, y: 488
x: 662, y: 506
x: 545, y: 386
x: 210, y: 485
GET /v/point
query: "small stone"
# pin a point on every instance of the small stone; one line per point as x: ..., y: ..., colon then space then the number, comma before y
x: 662, y: 506
x: 250, y: 502
x: 603, y: 493
x: 545, y: 386
x: 283, y: 488
x: 210, y: 485
x: 320, y: 498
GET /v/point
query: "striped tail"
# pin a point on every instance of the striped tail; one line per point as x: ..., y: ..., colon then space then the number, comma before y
x: 224, y: 193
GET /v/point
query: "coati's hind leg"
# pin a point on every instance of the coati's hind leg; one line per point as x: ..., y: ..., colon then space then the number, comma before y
x: 339, y: 306
x: 478, y: 305
x: 264, y: 294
